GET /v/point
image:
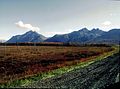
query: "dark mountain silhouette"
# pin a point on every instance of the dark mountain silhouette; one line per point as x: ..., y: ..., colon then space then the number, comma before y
x: 30, y: 36
x: 112, y: 36
x: 82, y: 35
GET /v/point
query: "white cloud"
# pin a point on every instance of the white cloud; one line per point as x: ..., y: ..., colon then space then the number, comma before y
x: 106, y: 23
x: 27, y: 26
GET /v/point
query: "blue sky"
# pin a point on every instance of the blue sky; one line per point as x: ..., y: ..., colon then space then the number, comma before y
x: 50, y: 17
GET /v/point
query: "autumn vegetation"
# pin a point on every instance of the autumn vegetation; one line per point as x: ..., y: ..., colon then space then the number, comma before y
x: 17, y: 62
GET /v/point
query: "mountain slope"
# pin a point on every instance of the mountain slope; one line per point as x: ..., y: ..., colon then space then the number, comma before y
x: 112, y: 36
x: 30, y: 36
x: 82, y: 35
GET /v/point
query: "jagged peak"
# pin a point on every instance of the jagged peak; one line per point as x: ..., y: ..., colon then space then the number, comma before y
x: 84, y: 29
x: 31, y: 32
x: 95, y: 29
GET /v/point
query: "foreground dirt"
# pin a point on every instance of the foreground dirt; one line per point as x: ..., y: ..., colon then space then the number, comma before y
x: 95, y: 76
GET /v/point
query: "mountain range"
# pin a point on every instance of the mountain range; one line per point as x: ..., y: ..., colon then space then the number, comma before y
x: 82, y: 36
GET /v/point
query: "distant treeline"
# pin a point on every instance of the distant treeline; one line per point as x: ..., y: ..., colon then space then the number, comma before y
x: 53, y: 44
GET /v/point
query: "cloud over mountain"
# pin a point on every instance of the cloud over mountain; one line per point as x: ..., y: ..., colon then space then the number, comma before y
x: 27, y: 26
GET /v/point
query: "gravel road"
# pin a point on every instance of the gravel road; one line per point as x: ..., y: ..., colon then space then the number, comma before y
x: 98, y: 75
